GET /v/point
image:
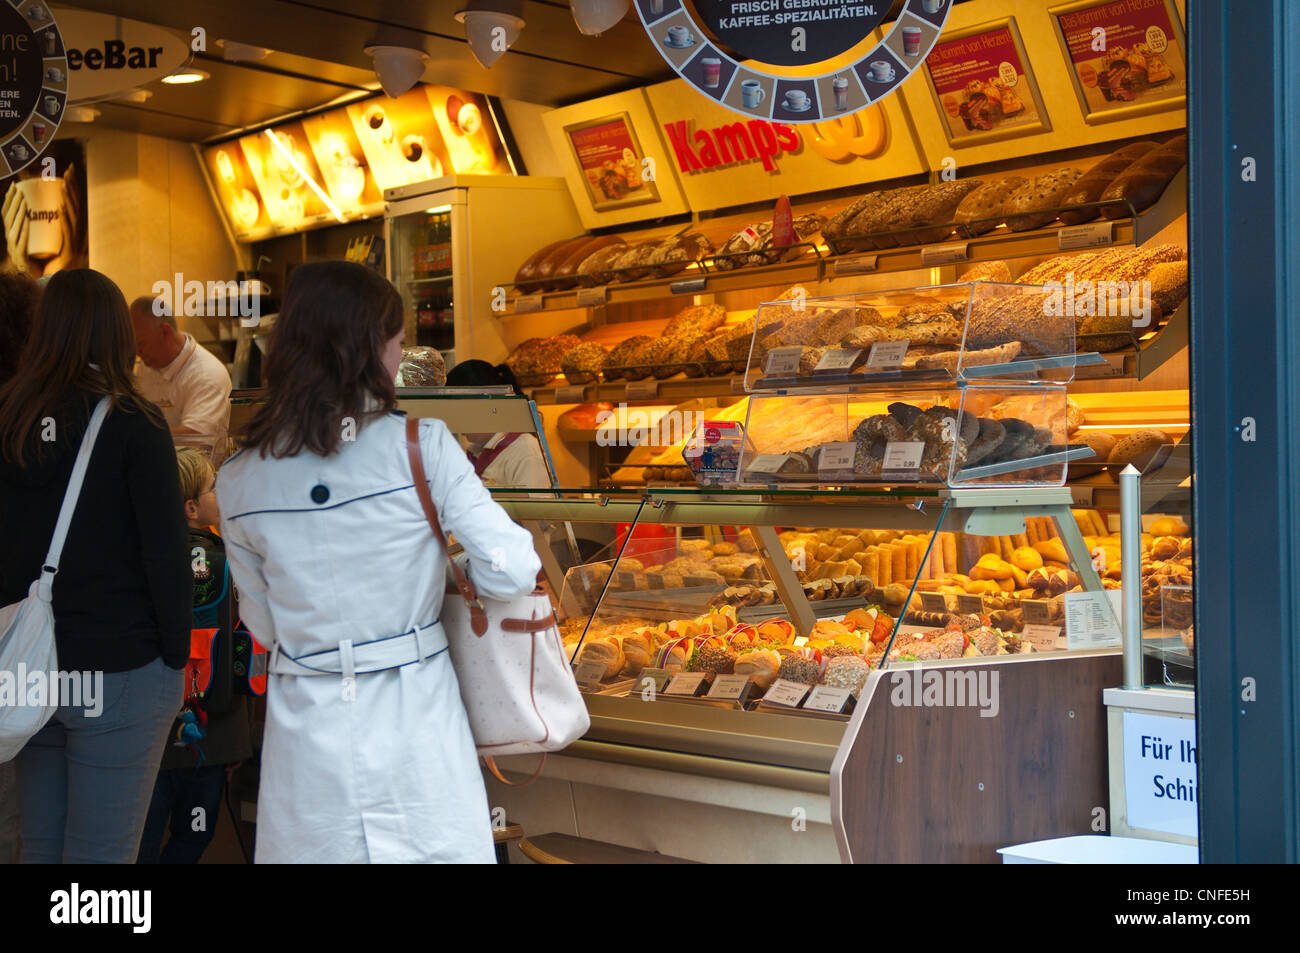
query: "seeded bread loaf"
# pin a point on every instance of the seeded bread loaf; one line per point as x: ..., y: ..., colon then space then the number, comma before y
x: 935, y: 208
x: 1034, y: 204
x: 621, y: 356
x: 565, y: 275
x: 981, y: 210
x: 582, y: 364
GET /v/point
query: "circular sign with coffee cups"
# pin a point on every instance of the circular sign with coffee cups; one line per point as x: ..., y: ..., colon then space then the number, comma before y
x: 708, y: 43
x: 33, y: 82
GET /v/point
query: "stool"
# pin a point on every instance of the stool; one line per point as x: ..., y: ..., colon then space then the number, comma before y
x: 567, y: 849
x: 502, y: 837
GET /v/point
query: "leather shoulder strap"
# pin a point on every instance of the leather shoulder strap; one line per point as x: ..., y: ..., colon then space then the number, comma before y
x: 477, y: 616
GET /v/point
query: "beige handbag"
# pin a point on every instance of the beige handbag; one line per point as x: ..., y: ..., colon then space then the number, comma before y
x: 515, y: 679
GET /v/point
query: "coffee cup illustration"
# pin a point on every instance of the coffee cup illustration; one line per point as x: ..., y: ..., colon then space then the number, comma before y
x: 413, y: 148
x: 51, y: 41
x: 752, y: 93
x: 37, y: 12
x: 881, y: 71
x: 20, y: 151
x: 712, y: 72
x: 911, y: 41
x: 796, y: 99
x: 840, y: 86
x: 39, y: 129
x: 931, y: 6
x: 680, y: 36
x: 52, y: 106
x: 54, y: 74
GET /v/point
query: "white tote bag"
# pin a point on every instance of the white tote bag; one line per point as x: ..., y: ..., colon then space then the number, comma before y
x: 514, y: 677
x: 27, y: 627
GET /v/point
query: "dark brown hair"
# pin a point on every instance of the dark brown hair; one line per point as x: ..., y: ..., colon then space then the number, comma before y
x: 324, y: 362
x: 18, y: 297
x: 81, y: 339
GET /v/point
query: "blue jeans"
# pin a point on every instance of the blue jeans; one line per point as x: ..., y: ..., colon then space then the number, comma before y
x: 85, y: 781
x: 176, y: 795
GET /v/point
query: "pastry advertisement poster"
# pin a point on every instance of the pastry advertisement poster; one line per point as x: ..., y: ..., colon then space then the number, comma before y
x: 1126, y: 57
x: 983, y: 84
x: 612, y: 163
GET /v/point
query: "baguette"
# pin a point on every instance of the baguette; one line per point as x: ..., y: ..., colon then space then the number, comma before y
x: 1143, y: 182
x: 1098, y: 178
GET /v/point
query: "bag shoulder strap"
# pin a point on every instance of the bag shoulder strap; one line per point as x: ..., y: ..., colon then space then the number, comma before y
x: 70, y: 497
x: 477, y: 616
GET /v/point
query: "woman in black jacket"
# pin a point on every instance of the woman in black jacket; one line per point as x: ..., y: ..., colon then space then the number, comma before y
x: 122, y: 595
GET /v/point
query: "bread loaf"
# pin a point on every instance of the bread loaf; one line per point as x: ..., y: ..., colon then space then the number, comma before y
x: 582, y: 364
x: 878, y: 216
x: 1034, y: 204
x: 547, y: 267
x: 1143, y: 182
x: 935, y: 207
x: 597, y: 268
x: 621, y: 356
x: 997, y: 271
x: 981, y: 210
x: 565, y: 274
x: 674, y: 254
x: 523, y: 277
x: 632, y: 264
x: 1096, y: 180
x: 836, y: 227
x: 1101, y: 443
x: 1137, y: 447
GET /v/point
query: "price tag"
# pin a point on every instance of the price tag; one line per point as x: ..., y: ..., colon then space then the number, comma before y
x: 738, y: 386
x: 855, y: 266
x: 732, y: 687
x: 887, y: 355
x: 782, y: 362
x: 589, y: 674
x: 765, y: 463
x: 840, y: 359
x: 1086, y: 236
x: 1091, y: 619
x: 570, y: 394
x: 934, y: 602
x: 800, y: 641
x: 903, y: 455
x: 1036, y: 611
x: 945, y: 254
x: 526, y: 303
x: 591, y: 297
x: 970, y: 602
x: 837, y: 457
x: 685, y: 683
x: 642, y: 390
x: 688, y: 286
x: 1045, y: 638
x: 786, y: 692
x: 656, y: 678
x: 825, y: 698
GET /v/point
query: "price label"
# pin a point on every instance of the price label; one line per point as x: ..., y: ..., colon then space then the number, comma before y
x: 730, y: 687
x: 825, y: 698
x: 934, y: 602
x: 786, y: 692
x: 945, y: 254
x: 782, y: 362
x: 1086, y: 236
x: 591, y: 297
x: 570, y: 394
x: 526, y: 303
x: 840, y: 359
x: 903, y: 455
x: 688, y: 286
x: 970, y: 602
x: 656, y: 678
x: 887, y: 355
x: 1036, y: 611
x: 685, y: 683
x: 837, y: 457
x: 642, y: 390
x: 1045, y: 638
x: 855, y: 266
x: 800, y: 641
x: 766, y: 463
x: 589, y: 674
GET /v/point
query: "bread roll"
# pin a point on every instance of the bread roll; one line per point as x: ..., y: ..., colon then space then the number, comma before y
x: 1143, y: 182
x: 1095, y: 181
x: 761, y: 667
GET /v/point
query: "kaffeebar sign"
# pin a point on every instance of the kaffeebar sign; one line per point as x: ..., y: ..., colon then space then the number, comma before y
x: 33, y: 82
x: 755, y: 57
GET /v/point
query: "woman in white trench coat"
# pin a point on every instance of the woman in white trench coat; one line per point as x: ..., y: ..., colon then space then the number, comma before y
x: 368, y: 755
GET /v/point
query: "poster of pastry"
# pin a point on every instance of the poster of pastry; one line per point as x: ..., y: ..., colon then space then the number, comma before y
x: 1126, y: 57
x: 982, y: 83
x: 611, y: 161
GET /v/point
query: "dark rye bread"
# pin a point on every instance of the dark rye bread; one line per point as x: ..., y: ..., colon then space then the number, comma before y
x: 1095, y: 181
x: 935, y: 208
x: 1143, y: 182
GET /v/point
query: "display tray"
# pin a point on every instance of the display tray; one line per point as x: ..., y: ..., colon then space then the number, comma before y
x: 1054, y: 456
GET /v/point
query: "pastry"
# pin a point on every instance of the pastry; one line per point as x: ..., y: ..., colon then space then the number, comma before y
x: 1102, y: 444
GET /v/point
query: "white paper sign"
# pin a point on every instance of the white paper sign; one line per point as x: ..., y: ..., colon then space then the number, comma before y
x: 785, y: 692
x: 782, y: 361
x: 766, y: 463
x: 642, y: 390
x: 840, y: 359
x: 570, y: 394
x: 945, y: 254
x: 1044, y: 638
x: 1086, y: 236
x: 836, y: 457
x: 903, y: 455
x: 825, y: 698
x: 729, y: 686
x: 887, y: 355
x: 589, y: 674
x: 1091, y: 619
x: 1160, y: 772
x: 526, y: 303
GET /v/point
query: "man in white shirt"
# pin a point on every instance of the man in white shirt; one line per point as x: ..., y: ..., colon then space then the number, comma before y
x: 187, y: 382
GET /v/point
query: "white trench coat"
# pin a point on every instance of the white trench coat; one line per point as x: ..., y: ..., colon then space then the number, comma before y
x: 325, y: 549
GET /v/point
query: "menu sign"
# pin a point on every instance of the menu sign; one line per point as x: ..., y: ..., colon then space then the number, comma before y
x: 612, y: 162
x: 982, y: 82
x: 1125, y: 56
x: 33, y: 84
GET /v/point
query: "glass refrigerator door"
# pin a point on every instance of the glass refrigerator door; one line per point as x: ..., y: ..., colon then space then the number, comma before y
x: 420, y: 266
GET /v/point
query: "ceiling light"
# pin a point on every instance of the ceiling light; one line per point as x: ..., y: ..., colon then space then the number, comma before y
x: 238, y: 52
x: 289, y: 157
x: 398, y: 67
x: 183, y: 77
x: 596, y: 16
x: 490, y: 33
